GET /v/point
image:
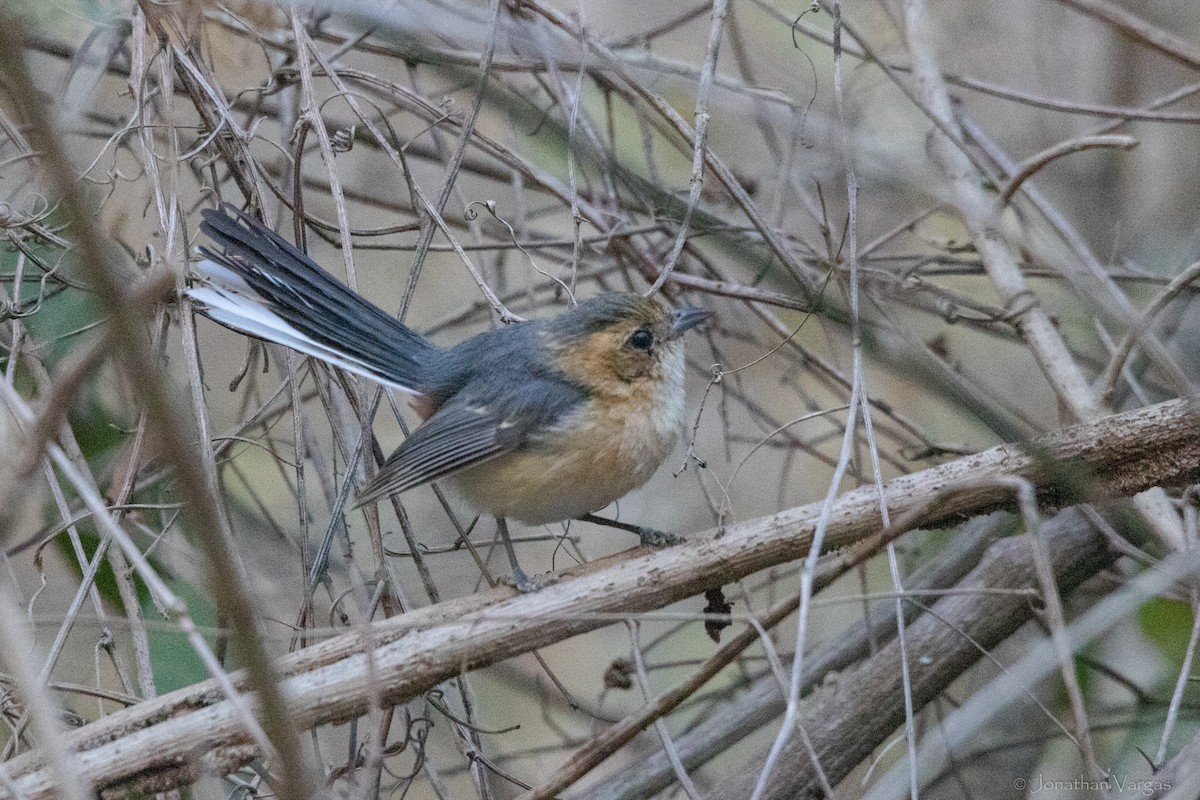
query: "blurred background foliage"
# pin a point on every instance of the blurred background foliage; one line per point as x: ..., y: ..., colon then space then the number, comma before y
x: 576, y: 174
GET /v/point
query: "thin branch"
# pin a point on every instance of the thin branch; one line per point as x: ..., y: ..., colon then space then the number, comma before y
x: 127, y: 336
x: 1030, y: 166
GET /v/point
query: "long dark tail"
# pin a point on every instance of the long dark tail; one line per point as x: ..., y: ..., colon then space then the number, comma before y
x: 261, y: 285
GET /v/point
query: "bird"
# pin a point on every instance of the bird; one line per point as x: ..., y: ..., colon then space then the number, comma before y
x: 540, y: 421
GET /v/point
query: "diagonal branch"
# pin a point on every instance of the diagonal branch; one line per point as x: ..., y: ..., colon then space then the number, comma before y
x: 165, y: 737
x: 847, y: 720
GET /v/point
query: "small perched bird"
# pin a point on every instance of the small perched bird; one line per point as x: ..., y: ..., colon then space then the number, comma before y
x: 538, y: 421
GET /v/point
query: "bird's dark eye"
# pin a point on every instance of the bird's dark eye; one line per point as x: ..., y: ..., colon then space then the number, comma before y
x: 641, y: 339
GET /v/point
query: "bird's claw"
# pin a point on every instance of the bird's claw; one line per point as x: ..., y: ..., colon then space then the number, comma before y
x: 655, y: 538
x: 527, y: 585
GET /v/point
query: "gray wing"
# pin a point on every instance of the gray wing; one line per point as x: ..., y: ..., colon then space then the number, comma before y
x: 497, y: 414
x: 457, y: 437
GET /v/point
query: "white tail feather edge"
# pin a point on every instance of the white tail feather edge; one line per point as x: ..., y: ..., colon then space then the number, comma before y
x: 242, y: 313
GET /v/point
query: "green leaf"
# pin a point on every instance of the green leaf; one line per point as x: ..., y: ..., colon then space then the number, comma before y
x: 1169, y: 624
x: 173, y: 658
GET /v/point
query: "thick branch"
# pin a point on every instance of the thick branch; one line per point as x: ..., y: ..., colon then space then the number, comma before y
x: 845, y: 722
x: 1113, y: 457
x: 764, y: 700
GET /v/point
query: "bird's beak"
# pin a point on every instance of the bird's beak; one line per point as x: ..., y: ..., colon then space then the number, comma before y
x: 684, y: 319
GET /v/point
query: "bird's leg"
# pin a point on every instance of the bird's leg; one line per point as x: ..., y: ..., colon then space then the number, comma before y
x: 523, y: 583
x: 650, y: 537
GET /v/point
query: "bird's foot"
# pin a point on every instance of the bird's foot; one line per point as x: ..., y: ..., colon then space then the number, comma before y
x: 652, y: 537
x: 527, y: 585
